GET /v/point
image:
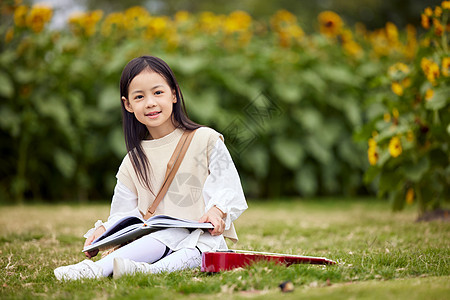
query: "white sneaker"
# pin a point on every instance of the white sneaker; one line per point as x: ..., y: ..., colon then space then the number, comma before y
x: 85, y: 269
x: 124, y: 266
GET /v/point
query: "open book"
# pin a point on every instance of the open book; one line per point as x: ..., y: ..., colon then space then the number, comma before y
x: 130, y: 228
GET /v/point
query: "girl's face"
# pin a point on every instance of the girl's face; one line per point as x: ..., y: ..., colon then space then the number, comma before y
x: 151, y: 101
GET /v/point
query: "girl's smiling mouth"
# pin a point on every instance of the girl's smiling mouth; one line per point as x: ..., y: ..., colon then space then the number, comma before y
x: 153, y: 114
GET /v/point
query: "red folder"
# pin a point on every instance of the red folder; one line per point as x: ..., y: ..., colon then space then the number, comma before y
x: 227, y: 260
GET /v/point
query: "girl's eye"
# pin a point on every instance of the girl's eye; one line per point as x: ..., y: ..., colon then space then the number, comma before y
x: 139, y: 97
x: 158, y: 92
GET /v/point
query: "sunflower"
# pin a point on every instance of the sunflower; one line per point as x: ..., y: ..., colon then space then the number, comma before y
x: 9, y: 35
x: 372, y: 154
x: 425, y: 21
x: 38, y: 17
x: 237, y: 21
x: 395, y: 113
x: 85, y: 22
x: 391, y: 32
x: 446, y: 66
x: 406, y: 82
x: 397, y: 88
x: 282, y: 17
x: 20, y: 15
x: 410, y: 136
x: 429, y: 94
x: 330, y: 23
x: 430, y: 69
x: 136, y: 17
x: 114, y: 21
x: 395, y: 147
x: 438, y: 29
x: 398, y: 67
x: 182, y: 16
x: 209, y: 22
x: 409, y: 196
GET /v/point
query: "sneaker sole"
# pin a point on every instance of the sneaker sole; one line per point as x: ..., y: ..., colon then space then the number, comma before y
x: 118, y: 267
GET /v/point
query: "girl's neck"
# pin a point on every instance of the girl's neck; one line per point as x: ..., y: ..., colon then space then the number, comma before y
x: 157, y: 133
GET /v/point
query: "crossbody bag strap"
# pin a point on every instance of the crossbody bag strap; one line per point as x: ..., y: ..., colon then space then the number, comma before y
x: 172, y: 168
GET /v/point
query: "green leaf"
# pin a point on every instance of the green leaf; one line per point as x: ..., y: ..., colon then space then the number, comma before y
x: 375, y: 110
x: 369, y: 69
x: 190, y: 65
x: 439, y: 100
x: 352, y: 111
x: 371, y: 174
x: 55, y: 108
x: 331, y: 132
x: 317, y: 150
x: 257, y: 159
x: 6, y: 86
x: 350, y: 153
x: 391, y: 131
x: 384, y: 156
x: 116, y: 142
x: 65, y: 163
x: 397, y: 201
x: 415, y: 172
x: 340, y: 75
x: 109, y: 98
x: 10, y: 121
x: 310, y: 118
x: 289, y: 152
x: 329, y: 177
x: 311, y: 78
x: 389, y: 181
x: 24, y: 76
x: 204, y: 105
x: 290, y: 93
x: 306, y: 181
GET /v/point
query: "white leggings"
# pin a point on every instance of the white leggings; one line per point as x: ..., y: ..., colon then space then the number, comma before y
x: 149, y: 250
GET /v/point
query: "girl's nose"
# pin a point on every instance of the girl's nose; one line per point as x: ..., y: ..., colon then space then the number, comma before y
x: 150, y: 102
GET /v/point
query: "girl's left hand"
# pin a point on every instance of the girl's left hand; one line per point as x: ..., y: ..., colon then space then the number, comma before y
x: 214, y: 216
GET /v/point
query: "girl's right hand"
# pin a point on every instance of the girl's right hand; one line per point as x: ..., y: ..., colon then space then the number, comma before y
x: 89, y: 240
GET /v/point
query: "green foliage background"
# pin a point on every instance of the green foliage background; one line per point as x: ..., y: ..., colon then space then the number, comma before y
x: 288, y: 103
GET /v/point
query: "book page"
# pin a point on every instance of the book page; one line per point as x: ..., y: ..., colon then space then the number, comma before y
x: 119, y: 225
x: 167, y: 221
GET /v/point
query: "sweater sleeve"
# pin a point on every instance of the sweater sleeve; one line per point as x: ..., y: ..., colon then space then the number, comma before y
x: 124, y: 203
x: 223, y: 187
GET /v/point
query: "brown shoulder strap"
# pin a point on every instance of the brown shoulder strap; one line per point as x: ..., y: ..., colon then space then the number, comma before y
x: 172, y: 168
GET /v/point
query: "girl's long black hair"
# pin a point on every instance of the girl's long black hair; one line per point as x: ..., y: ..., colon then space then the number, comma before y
x: 134, y: 130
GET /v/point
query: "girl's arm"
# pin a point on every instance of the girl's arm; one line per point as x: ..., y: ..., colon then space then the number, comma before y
x: 124, y: 203
x: 222, y: 189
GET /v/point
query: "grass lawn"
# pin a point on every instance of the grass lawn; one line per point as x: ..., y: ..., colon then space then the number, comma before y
x: 380, y: 254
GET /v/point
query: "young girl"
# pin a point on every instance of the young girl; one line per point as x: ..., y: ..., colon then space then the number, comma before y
x: 206, y: 187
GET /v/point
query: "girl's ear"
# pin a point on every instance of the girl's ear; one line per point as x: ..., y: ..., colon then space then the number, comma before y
x: 174, y: 97
x: 127, y: 105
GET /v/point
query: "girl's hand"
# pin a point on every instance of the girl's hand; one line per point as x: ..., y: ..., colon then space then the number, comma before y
x: 89, y: 240
x: 214, y: 216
